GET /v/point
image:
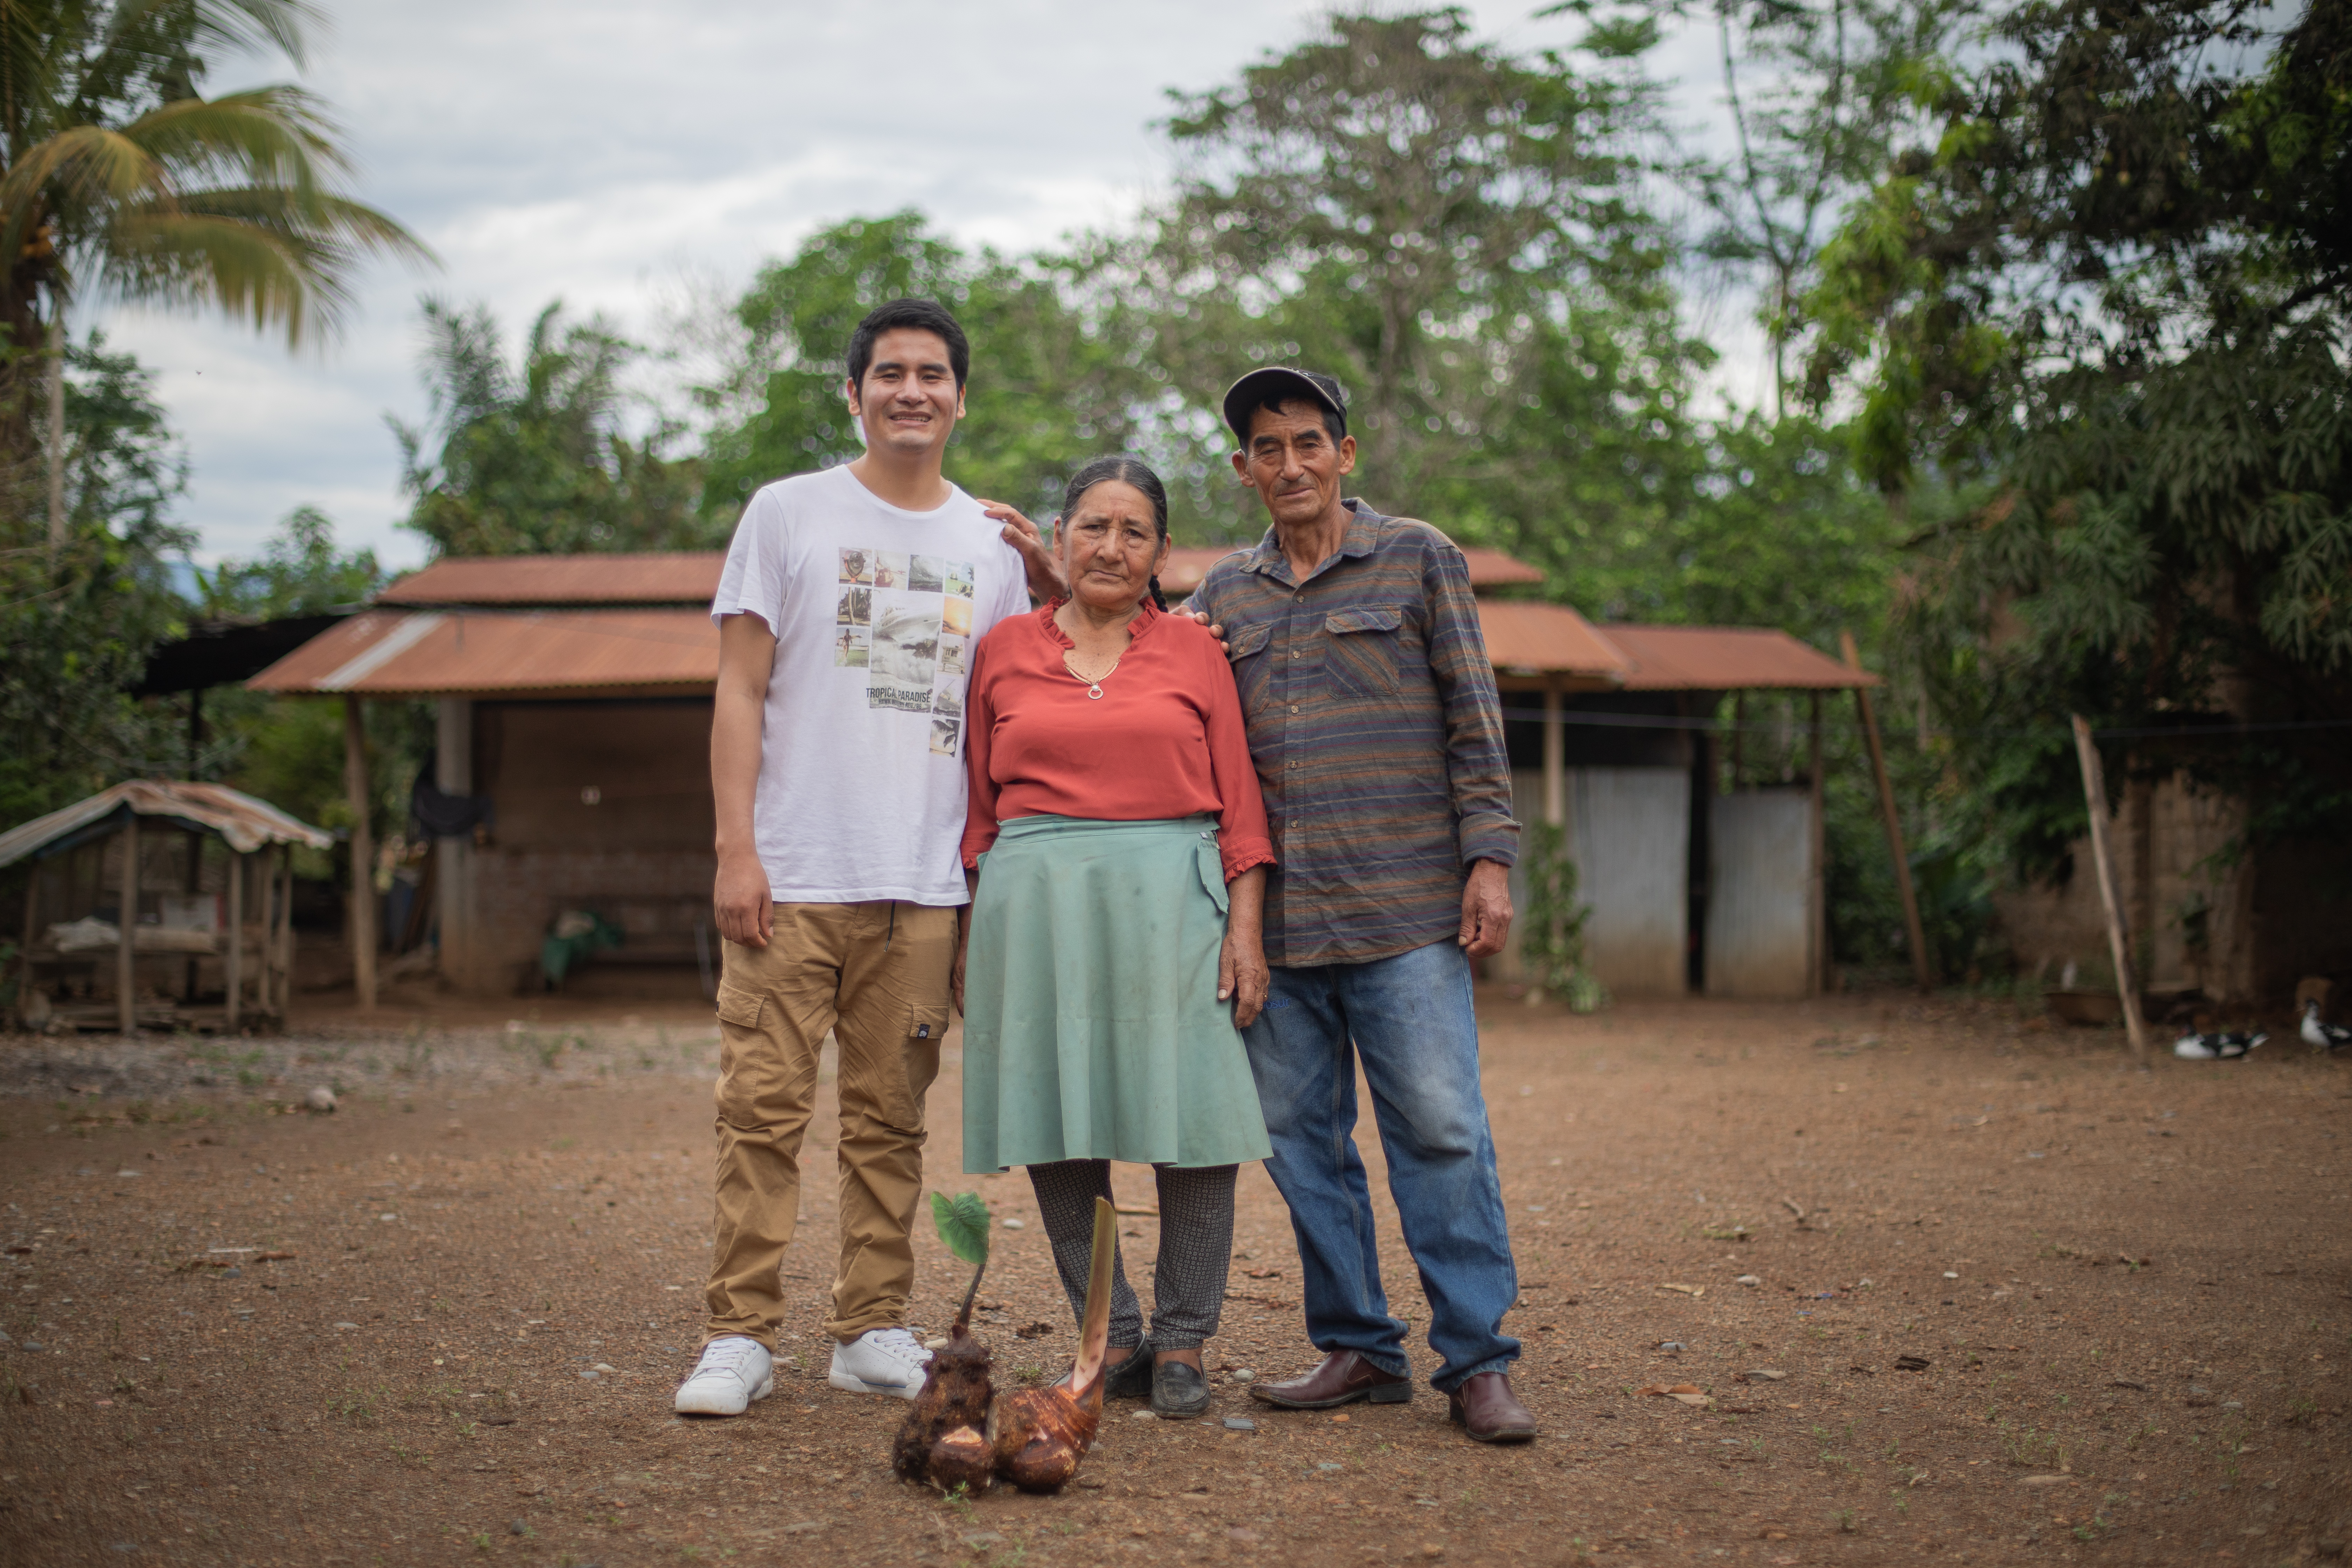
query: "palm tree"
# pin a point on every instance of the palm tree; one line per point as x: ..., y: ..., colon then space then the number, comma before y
x: 116, y: 176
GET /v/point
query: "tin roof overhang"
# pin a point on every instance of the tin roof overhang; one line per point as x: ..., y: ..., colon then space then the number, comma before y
x: 244, y: 822
x: 1728, y: 659
x: 417, y: 653
x: 666, y: 577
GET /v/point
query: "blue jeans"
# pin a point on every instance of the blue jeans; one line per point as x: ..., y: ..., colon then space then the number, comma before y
x: 1410, y: 1022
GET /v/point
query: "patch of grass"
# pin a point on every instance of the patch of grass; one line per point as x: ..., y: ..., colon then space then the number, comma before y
x: 1848, y: 1521
x: 411, y: 1457
x: 354, y: 1407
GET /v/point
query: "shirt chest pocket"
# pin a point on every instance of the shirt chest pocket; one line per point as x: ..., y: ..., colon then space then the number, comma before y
x: 1360, y: 651
x: 1246, y: 648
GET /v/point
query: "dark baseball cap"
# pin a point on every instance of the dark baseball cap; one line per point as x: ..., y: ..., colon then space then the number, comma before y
x: 1280, y: 384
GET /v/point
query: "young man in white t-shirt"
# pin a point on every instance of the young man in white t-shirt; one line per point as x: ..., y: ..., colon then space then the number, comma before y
x: 847, y: 611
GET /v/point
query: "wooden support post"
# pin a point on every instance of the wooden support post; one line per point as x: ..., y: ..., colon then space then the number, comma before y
x: 127, y: 924
x: 1555, y: 768
x: 453, y: 858
x: 1820, y: 932
x: 233, y: 957
x: 24, y: 947
x: 1738, y: 737
x: 284, y: 936
x: 2095, y: 795
x: 361, y: 926
x: 1923, y: 973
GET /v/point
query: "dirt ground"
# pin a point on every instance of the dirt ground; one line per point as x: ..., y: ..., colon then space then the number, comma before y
x: 443, y: 1324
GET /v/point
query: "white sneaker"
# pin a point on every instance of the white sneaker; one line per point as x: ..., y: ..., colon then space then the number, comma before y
x: 880, y: 1361
x: 733, y: 1371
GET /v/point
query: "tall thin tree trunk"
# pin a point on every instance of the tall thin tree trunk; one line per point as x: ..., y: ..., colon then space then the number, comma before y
x: 56, y: 442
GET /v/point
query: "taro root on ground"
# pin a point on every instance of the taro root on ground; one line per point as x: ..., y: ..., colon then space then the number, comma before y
x: 1039, y: 1434
x: 941, y: 1441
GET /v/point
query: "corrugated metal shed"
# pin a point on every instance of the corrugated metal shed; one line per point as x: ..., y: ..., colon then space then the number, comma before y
x: 1728, y: 658
x: 1488, y: 569
x: 670, y: 577
x: 386, y: 653
x: 246, y: 823
x: 1525, y: 638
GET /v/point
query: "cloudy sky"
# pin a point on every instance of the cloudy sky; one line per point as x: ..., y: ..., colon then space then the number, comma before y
x: 606, y: 152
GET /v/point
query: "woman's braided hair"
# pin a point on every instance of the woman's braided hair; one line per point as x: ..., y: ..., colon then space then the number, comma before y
x: 1127, y: 469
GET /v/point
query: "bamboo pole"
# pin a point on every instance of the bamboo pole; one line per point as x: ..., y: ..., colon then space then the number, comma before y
x: 232, y: 959
x: 2095, y: 795
x: 361, y: 923
x: 1922, y: 971
x: 126, y: 999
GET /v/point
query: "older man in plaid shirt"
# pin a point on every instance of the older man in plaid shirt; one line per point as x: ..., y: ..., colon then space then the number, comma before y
x: 1379, y: 742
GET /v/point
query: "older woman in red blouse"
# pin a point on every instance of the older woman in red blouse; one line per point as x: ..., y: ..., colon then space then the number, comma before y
x: 1119, y: 848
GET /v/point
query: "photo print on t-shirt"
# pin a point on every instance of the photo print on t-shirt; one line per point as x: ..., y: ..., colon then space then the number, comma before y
x: 857, y: 566
x: 850, y: 646
x: 951, y: 655
x: 929, y: 575
x: 890, y: 568
x: 906, y: 651
x: 960, y: 579
x: 955, y: 618
x: 944, y: 734
x: 856, y: 607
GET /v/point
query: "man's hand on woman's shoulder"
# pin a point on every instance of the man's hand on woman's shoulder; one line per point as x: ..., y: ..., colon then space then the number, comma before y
x: 1198, y: 619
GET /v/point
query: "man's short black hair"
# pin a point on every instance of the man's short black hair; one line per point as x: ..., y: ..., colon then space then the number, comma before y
x: 918, y: 315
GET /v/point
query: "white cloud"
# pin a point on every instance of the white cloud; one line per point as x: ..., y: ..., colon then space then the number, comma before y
x: 592, y: 150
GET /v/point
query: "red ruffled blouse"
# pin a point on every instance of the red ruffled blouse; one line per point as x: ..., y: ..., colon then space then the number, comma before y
x: 1164, y: 739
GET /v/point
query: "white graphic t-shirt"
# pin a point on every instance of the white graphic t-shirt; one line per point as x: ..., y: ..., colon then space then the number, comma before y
x: 876, y: 611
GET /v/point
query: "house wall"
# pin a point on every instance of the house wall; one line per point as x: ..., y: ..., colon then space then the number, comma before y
x: 602, y: 805
x: 2192, y: 919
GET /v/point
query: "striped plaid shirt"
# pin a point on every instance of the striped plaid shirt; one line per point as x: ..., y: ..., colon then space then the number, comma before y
x: 1377, y: 735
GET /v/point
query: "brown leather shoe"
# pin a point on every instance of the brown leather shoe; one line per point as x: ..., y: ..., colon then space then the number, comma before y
x: 1489, y: 1411
x: 1342, y: 1379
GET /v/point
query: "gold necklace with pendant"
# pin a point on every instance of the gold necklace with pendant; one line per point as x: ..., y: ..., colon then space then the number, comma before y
x: 1093, y: 683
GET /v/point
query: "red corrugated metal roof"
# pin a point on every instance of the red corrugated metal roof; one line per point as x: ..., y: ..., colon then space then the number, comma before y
x: 418, y: 652
x: 245, y: 822
x: 395, y: 652
x: 671, y: 577
x: 1488, y: 569
x: 1530, y: 638
x: 1728, y: 658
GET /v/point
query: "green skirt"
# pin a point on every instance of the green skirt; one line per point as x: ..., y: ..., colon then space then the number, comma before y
x: 1092, y: 1029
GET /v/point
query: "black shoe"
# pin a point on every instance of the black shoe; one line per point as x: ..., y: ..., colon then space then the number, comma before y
x: 1132, y: 1379
x: 1178, y: 1392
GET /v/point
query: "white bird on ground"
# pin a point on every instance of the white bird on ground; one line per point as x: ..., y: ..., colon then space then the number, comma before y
x: 2318, y: 1032
x: 2211, y: 1047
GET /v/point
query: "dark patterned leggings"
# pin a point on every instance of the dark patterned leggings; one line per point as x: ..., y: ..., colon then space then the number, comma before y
x: 1196, y: 1243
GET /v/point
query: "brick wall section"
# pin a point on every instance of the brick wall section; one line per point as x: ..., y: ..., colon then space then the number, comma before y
x: 652, y: 894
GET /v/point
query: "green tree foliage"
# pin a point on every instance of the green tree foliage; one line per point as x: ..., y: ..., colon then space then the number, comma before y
x: 301, y: 573
x: 2098, y: 328
x: 72, y: 639
x: 537, y: 457
x: 1820, y: 95
x: 115, y: 171
x: 1050, y: 388
x: 1458, y: 233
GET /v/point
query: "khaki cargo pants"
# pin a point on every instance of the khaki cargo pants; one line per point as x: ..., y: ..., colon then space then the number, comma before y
x: 876, y: 976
